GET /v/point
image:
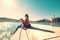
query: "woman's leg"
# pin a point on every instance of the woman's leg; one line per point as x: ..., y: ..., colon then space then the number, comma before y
x: 16, y: 29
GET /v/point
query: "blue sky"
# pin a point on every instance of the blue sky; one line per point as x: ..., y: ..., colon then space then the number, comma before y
x: 37, y: 9
x: 43, y: 8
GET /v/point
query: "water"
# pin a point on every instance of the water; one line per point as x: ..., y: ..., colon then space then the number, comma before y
x: 47, y: 23
x: 7, y: 27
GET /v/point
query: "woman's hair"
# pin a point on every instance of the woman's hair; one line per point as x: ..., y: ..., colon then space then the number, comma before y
x: 26, y: 15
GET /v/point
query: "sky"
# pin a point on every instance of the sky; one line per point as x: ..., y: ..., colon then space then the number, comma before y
x: 37, y: 9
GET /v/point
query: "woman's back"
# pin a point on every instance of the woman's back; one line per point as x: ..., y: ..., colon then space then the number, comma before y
x: 27, y: 21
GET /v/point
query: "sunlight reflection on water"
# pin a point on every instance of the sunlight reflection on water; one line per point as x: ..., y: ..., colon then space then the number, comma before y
x: 6, y: 28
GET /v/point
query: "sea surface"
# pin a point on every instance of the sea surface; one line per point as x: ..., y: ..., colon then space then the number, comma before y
x: 6, y: 28
x: 47, y: 23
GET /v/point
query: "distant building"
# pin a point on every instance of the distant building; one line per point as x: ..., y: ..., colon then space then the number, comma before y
x: 53, y: 20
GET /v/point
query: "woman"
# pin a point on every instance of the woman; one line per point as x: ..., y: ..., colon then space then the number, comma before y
x: 25, y: 24
x: 26, y: 21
